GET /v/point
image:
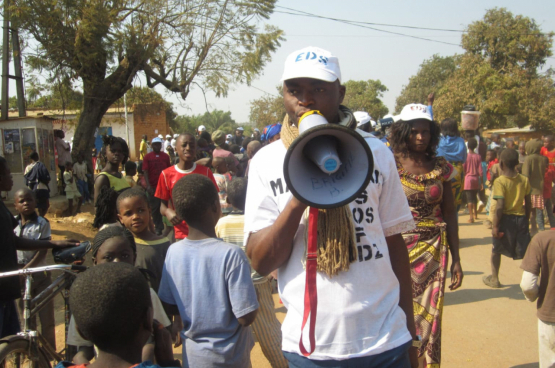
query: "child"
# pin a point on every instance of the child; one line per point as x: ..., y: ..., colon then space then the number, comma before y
x: 220, y: 169
x: 130, y: 172
x: 510, y: 219
x: 117, y: 153
x: 141, y: 180
x: 37, y: 179
x: 538, y: 263
x: 31, y: 226
x: 534, y: 168
x: 80, y: 170
x: 208, y: 282
x: 266, y: 327
x: 473, y: 178
x: 491, y: 159
x: 115, y: 294
x: 521, y: 155
x: 134, y: 214
x: 113, y: 244
x: 71, y: 189
x: 548, y: 150
x: 548, y: 205
x: 186, y: 149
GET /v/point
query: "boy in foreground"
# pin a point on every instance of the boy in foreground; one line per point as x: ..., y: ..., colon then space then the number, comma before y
x: 510, y: 219
x: 111, y: 305
x: 230, y: 229
x: 208, y: 283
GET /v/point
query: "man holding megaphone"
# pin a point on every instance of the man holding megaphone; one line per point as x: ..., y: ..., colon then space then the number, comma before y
x: 325, y: 207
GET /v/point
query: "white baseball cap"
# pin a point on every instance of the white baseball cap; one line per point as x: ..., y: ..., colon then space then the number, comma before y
x: 160, y: 136
x: 229, y: 136
x: 257, y: 130
x: 201, y: 128
x: 362, y: 117
x: 373, y: 123
x: 415, y: 112
x: 176, y: 135
x: 240, y: 128
x: 312, y: 62
x: 168, y: 136
x: 157, y: 140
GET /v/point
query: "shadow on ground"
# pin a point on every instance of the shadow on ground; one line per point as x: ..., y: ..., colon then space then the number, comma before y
x: 527, y: 365
x: 70, y: 235
x: 474, y: 241
x: 477, y: 295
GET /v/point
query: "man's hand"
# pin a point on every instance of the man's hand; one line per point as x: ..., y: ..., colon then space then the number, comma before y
x: 172, y: 217
x: 456, y: 275
x: 495, y: 232
x: 65, y: 243
x: 150, y: 190
x: 431, y: 98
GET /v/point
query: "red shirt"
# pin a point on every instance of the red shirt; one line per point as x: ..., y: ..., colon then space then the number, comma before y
x: 154, y: 163
x: 548, y: 183
x: 490, y: 164
x: 550, y: 156
x: 167, y: 181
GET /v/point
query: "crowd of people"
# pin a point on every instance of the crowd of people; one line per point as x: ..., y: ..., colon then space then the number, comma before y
x: 207, y: 223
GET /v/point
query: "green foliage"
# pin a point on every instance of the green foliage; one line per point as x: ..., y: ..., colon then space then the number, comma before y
x: 214, y: 120
x: 61, y: 96
x: 268, y: 109
x: 366, y: 96
x: 431, y: 77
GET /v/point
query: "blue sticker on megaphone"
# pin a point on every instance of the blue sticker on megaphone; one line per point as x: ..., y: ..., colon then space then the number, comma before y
x: 330, y: 164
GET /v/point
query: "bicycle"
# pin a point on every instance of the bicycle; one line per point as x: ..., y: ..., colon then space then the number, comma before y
x: 29, y: 348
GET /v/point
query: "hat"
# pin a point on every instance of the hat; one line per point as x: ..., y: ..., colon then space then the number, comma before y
x: 240, y: 128
x: 168, y: 136
x: 218, y: 137
x: 157, y: 140
x: 176, y: 135
x: 373, y: 123
x: 257, y: 130
x: 312, y: 62
x: 415, y: 112
x: 362, y: 117
x: 229, y: 136
x: 160, y: 136
x: 270, y: 131
x: 201, y: 128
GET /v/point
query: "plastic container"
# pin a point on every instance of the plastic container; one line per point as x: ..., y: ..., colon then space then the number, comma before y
x: 470, y: 120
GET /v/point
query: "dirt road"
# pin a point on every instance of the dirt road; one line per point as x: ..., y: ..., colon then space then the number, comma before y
x: 482, y: 327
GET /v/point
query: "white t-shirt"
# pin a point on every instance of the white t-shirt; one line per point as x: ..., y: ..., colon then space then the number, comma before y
x: 358, y: 312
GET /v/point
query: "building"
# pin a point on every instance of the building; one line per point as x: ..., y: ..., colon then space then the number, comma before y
x: 516, y: 134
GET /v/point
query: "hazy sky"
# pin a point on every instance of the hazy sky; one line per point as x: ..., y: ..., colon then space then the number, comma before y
x: 364, y: 53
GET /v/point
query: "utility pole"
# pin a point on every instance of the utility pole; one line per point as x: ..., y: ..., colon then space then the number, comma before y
x: 17, y: 70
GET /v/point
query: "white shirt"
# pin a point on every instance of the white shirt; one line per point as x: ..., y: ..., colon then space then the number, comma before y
x: 166, y: 144
x: 358, y: 312
x: 173, y: 142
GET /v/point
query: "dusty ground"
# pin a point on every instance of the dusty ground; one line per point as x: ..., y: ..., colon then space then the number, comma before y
x: 481, y: 326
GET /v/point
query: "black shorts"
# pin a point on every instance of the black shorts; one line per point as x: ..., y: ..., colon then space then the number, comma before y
x: 515, y: 239
x: 471, y: 196
x: 43, y: 198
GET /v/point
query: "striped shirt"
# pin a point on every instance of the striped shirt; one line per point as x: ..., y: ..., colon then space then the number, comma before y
x: 230, y: 230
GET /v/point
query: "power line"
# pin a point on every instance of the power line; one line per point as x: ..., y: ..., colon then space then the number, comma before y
x: 368, y: 23
x: 364, y: 26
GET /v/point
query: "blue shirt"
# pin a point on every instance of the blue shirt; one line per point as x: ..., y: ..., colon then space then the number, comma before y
x: 452, y: 148
x: 210, y: 283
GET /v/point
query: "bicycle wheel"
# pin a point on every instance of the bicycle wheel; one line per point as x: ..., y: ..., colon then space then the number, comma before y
x: 15, y: 354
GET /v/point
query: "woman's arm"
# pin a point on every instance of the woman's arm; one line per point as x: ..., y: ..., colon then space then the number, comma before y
x: 100, y: 182
x: 450, y: 217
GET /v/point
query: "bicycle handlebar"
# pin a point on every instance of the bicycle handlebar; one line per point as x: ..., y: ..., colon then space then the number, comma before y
x: 28, y: 271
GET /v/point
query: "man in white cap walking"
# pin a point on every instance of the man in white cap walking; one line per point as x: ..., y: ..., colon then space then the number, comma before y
x: 364, y: 309
x: 200, y: 129
x: 364, y: 121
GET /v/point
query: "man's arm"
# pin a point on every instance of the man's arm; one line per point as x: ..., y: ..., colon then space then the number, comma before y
x: 248, y: 318
x: 450, y: 218
x: 37, y: 258
x: 29, y: 244
x: 399, y: 257
x: 169, y: 213
x: 271, y: 247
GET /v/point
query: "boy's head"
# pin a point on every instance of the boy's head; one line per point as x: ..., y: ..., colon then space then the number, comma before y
x: 510, y: 144
x: 117, y: 150
x: 508, y: 159
x: 34, y: 156
x: 522, y: 147
x: 24, y: 201
x: 450, y: 127
x: 246, y: 142
x: 112, y: 307
x: 114, y: 244
x: 133, y: 210
x: 6, y: 180
x: 235, y: 149
x: 490, y: 155
x: 69, y: 166
x: 220, y: 165
x: 81, y: 158
x: 237, y: 193
x: 472, y: 144
x: 252, y: 148
x: 548, y: 142
x: 130, y: 168
x: 196, y: 200
x: 186, y: 147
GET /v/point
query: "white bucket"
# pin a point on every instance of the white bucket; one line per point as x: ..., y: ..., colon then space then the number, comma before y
x: 470, y: 120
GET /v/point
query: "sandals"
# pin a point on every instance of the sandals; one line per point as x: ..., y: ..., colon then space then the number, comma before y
x: 489, y: 282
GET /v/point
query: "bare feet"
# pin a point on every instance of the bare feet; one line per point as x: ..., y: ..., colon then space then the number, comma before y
x: 489, y: 281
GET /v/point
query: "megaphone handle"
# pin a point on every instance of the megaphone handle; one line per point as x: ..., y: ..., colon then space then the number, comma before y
x: 310, y: 293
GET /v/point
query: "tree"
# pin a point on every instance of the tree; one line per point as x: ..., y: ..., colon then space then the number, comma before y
x: 212, y: 121
x: 268, y: 109
x: 105, y: 44
x: 499, y: 73
x: 431, y: 76
x: 366, y: 96
x: 61, y: 96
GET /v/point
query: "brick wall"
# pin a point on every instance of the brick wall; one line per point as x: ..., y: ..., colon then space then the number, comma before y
x: 149, y: 119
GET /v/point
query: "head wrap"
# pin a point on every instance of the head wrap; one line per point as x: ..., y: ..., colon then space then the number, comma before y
x: 270, y: 131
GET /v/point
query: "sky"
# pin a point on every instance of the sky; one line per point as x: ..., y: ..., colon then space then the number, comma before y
x: 364, y: 53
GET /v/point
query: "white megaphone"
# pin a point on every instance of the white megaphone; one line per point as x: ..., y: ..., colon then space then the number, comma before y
x: 328, y: 165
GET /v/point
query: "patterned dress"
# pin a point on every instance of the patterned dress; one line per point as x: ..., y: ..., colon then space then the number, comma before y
x: 427, y: 246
